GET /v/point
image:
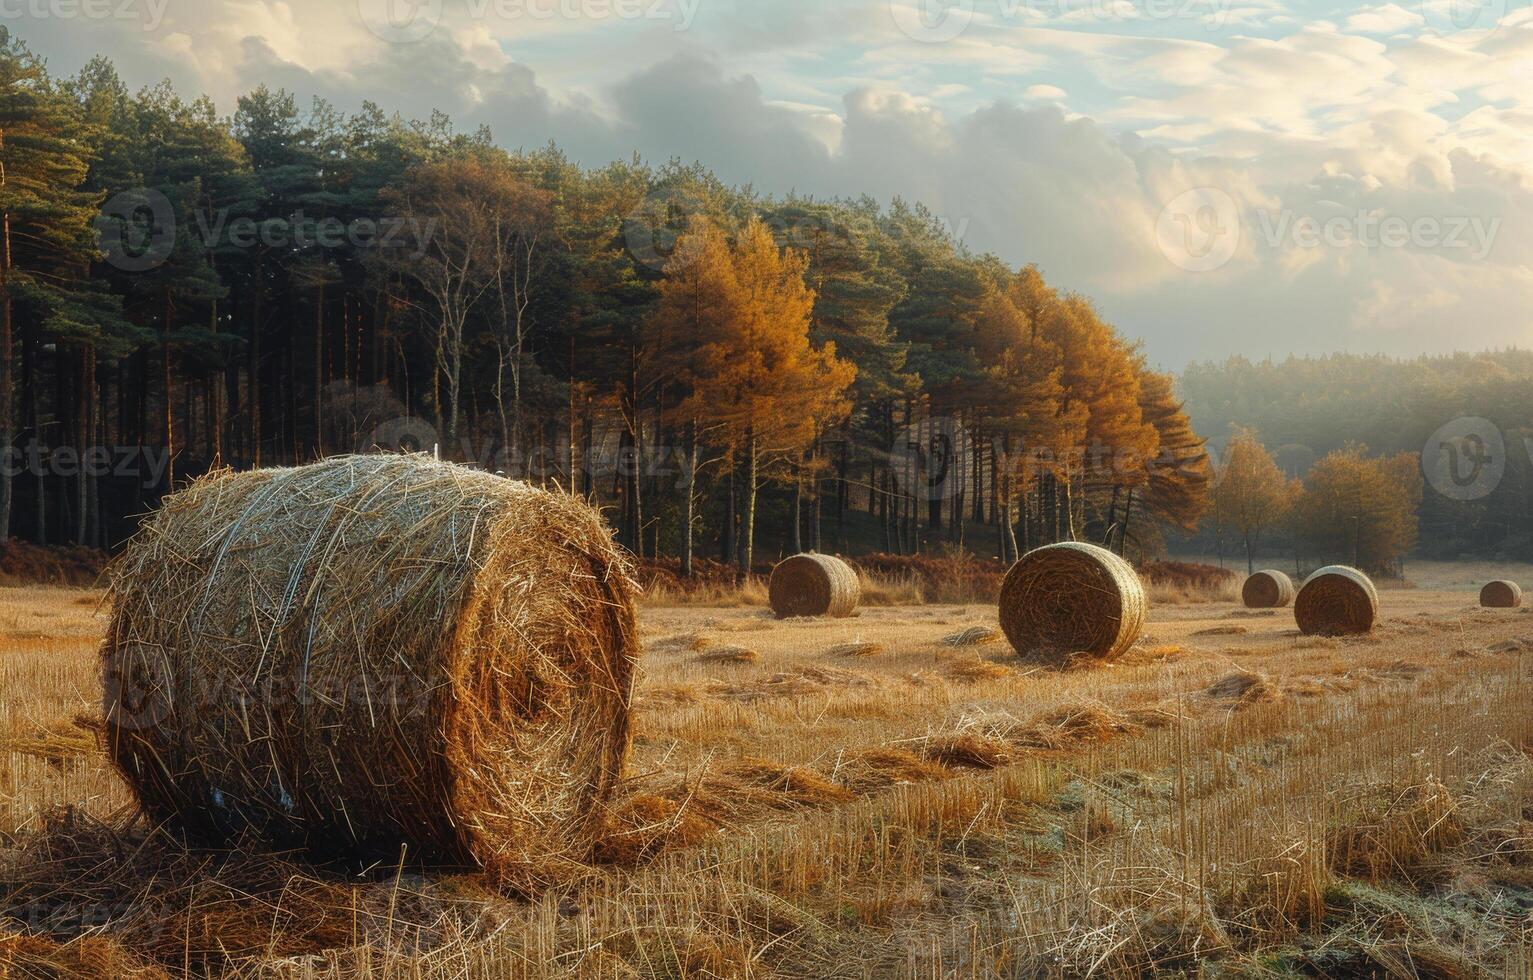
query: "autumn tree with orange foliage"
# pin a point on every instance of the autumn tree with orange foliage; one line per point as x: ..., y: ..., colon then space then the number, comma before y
x: 1360, y: 509
x: 758, y: 387
x: 1251, y: 495
x: 1178, y: 487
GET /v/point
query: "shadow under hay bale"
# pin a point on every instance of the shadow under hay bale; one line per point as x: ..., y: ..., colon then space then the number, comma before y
x: 1501, y: 594
x: 1267, y: 589
x: 1072, y: 598
x: 375, y: 651
x: 1336, y: 601
x: 813, y: 585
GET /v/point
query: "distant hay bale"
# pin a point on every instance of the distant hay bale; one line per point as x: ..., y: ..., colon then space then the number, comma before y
x: 1267, y: 589
x: 1336, y: 601
x: 812, y: 584
x: 1071, y: 598
x: 370, y: 652
x: 1501, y: 594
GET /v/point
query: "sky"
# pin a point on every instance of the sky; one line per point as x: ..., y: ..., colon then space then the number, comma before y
x: 1256, y: 177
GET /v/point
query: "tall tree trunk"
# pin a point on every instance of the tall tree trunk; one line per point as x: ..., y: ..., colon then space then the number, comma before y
x: 36, y: 448
x: 253, y: 369
x: 574, y: 437
x: 319, y: 372
x: 84, y: 410
x: 798, y: 513
x: 727, y: 539
x: 165, y: 386
x: 691, y: 506
x: 748, y: 532
x: 1112, y: 514
x: 1128, y: 509
x: 7, y: 376
x: 817, y: 493
x: 1011, y: 527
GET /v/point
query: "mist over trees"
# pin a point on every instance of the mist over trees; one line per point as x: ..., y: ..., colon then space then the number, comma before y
x: 1344, y: 422
x: 730, y: 375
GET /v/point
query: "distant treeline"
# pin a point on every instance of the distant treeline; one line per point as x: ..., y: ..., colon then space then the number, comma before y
x: 718, y: 369
x: 1468, y: 416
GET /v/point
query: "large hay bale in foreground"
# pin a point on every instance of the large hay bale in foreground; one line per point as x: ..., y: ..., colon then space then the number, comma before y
x: 374, y: 651
x: 1501, y: 594
x: 1267, y: 589
x: 1072, y: 598
x: 1337, y: 600
x: 814, y: 585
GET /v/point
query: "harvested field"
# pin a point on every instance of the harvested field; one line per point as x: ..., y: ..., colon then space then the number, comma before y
x: 1257, y: 801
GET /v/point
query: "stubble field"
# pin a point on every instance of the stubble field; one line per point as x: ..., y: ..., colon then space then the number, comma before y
x: 889, y: 795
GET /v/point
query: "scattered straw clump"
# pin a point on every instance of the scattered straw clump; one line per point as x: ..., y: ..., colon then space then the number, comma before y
x: 869, y: 770
x: 1501, y: 594
x: 1336, y: 601
x: 63, y: 744
x: 974, y: 636
x: 373, y: 651
x: 1242, y: 688
x: 1071, y: 598
x: 729, y: 655
x: 1230, y: 630
x: 967, y: 751
x: 813, y: 585
x: 1267, y: 589
x: 856, y: 649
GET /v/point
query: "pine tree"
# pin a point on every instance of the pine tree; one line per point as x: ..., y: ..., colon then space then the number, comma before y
x: 47, y: 234
x: 1178, y: 488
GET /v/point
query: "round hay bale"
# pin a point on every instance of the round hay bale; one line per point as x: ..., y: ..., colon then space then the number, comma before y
x: 1501, y: 594
x: 1071, y: 598
x: 1336, y: 601
x: 812, y: 584
x: 370, y: 652
x: 1267, y: 589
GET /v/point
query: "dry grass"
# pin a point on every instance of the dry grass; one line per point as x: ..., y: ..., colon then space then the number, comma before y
x: 1183, y: 594
x: 1247, y: 805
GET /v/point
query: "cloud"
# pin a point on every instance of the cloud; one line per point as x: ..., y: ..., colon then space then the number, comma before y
x: 1387, y: 18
